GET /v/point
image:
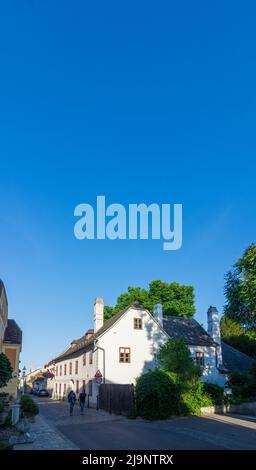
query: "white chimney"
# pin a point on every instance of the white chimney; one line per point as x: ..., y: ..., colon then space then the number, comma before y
x: 98, y: 314
x: 158, y: 313
x: 214, y: 331
x: 213, y: 324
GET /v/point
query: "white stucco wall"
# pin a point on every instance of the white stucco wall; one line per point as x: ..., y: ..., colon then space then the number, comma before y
x: 210, y: 372
x: 144, y: 344
x: 85, y: 373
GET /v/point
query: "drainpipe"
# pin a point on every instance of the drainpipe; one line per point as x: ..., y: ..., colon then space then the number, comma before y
x: 104, y: 358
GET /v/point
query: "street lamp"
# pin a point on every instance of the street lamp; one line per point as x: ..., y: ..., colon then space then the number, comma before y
x: 23, y: 379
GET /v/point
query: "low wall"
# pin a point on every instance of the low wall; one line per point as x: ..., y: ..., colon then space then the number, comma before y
x: 242, y: 408
x: 209, y: 410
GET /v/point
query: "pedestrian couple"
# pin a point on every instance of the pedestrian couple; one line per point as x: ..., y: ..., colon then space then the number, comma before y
x: 72, y: 401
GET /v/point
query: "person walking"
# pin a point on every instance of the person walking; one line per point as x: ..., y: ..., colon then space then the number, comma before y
x: 71, y: 400
x: 82, y: 398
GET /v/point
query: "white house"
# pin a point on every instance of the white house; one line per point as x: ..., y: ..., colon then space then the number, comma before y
x: 126, y: 345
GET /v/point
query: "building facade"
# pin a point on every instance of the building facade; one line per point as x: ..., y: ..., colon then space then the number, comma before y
x: 10, y: 342
x: 3, y: 313
x: 120, y: 349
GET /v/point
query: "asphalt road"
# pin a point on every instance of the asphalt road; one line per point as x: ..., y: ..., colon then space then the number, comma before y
x: 97, y: 430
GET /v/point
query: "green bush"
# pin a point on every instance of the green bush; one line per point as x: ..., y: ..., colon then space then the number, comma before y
x: 215, y: 392
x: 193, y: 398
x: 243, y: 385
x: 157, y: 396
x: 1, y: 407
x: 5, y: 445
x: 28, y: 406
x: 8, y: 420
x: 174, y: 356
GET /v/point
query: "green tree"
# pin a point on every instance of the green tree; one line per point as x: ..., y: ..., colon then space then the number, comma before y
x: 177, y: 300
x: 240, y: 290
x: 237, y: 336
x: 230, y: 327
x: 5, y: 370
x: 174, y: 356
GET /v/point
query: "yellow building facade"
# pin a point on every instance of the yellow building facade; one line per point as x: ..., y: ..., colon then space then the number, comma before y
x: 10, y: 342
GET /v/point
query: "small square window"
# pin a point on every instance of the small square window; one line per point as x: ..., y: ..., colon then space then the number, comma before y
x: 125, y: 355
x: 137, y: 323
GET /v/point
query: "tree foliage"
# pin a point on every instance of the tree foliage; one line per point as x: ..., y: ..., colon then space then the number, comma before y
x: 5, y: 370
x: 240, y: 289
x: 238, y: 325
x: 177, y: 299
x: 230, y: 327
x: 237, y: 336
x: 244, y: 384
x: 174, y: 356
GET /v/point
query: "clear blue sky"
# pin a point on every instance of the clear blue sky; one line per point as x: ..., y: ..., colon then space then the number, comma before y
x: 142, y: 101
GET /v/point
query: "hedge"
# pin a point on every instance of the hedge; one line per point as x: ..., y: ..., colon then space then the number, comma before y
x: 28, y: 406
x: 157, y: 396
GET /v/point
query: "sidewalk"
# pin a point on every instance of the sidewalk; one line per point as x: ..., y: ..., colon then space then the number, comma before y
x: 54, y: 414
x: 47, y: 438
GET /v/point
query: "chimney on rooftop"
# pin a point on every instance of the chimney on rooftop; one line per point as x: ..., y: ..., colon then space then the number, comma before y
x: 214, y: 331
x: 158, y: 313
x: 213, y: 324
x: 98, y: 314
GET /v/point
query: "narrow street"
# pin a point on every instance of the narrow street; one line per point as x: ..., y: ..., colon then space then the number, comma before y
x: 98, y: 430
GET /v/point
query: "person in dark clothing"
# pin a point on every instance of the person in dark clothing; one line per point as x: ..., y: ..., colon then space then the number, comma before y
x: 82, y: 398
x: 71, y: 400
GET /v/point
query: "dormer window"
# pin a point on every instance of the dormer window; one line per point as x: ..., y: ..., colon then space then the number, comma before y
x: 137, y: 323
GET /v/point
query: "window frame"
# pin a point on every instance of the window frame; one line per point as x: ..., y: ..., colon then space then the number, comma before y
x: 137, y: 320
x: 129, y: 356
x: 199, y: 356
x: 84, y: 359
x: 90, y: 358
